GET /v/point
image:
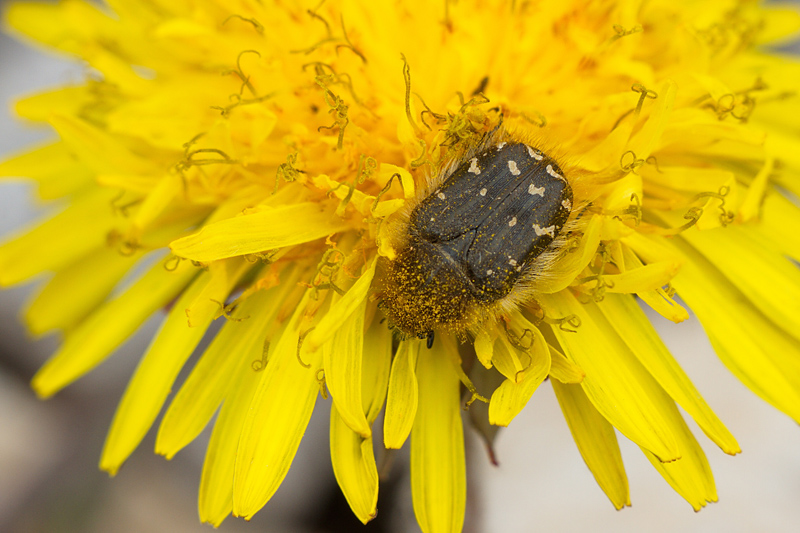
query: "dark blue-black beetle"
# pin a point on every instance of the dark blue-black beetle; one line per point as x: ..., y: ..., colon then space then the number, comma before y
x: 472, y: 238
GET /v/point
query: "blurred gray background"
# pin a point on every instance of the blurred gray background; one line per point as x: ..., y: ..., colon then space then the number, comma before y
x: 49, y: 480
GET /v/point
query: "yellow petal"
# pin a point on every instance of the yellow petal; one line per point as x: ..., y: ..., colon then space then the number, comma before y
x: 376, y: 368
x: 664, y: 305
x: 645, y: 278
x: 646, y: 140
x: 606, y: 153
x: 596, y: 441
x: 717, y: 137
x: 216, y: 483
x: 77, y: 290
x: 508, y: 362
x: 619, y: 196
x: 342, y: 310
x: 250, y: 127
x: 690, y: 475
x: 266, y: 229
x: 657, y: 299
x: 352, y: 456
x: 385, y: 241
x: 354, y: 467
x: 762, y: 356
x: 83, y: 286
x: 350, y: 197
x: 402, y: 398
x: 342, y: 361
x: 387, y: 207
x: 769, y: 281
x: 56, y: 171
x: 39, y: 21
x: 779, y: 223
x: 59, y: 241
x: 754, y: 198
x: 129, y: 182
x: 151, y: 384
x: 116, y: 70
x: 160, y: 197
x: 510, y: 397
x: 689, y: 179
x: 632, y: 325
x: 613, y: 229
x: 282, y: 405
x: 406, y: 180
x: 778, y: 23
x: 711, y: 215
x: 438, y: 472
x: 145, y: 117
x: 650, y: 249
x: 105, y: 329
x: 567, y: 269
x: 784, y: 146
x: 68, y: 101
x: 563, y: 369
x: 484, y: 348
x: 79, y: 28
x: 101, y: 152
x: 239, y: 343
x: 616, y: 383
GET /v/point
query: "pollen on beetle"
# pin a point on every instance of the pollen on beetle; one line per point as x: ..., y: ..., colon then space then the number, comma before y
x: 441, y: 196
x: 483, y: 192
x: 566, y: 203
x: 473, y: 167
x: 512, y: 222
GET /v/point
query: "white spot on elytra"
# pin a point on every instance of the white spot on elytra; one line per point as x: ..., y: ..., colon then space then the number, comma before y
x: 432, y: 219
x: 512, y: 166
x: 549, y: 230
x: 473, y: 167
x: 500, y: 146
x: 512, y: 262
x: 441, y: 196
x: 512, y: 222
x: 483, y: 192
x: 533, y: 189
x: 567, y: 204
x: 553, y: 172
x: 534, y: 154
x: 489, y: 272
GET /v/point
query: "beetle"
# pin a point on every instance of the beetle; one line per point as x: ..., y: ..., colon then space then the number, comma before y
x: 474, y: 237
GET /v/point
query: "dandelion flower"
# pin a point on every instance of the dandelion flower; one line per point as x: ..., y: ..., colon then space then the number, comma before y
x: 267, y: 164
